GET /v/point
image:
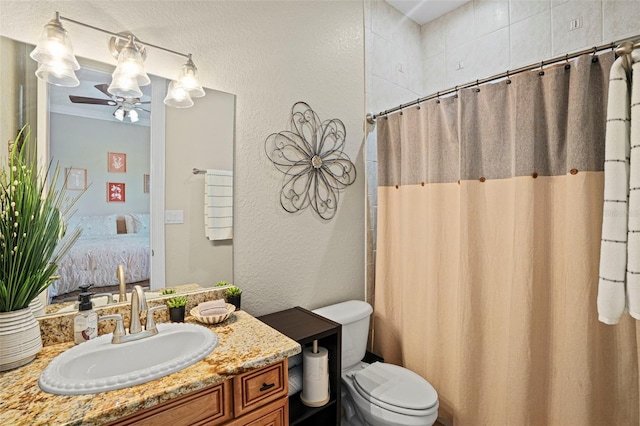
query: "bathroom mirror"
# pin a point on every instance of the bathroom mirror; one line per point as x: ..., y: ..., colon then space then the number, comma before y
x: 199, y: 137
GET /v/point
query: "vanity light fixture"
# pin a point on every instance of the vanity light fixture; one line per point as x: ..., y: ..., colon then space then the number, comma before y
x: 57, y: 65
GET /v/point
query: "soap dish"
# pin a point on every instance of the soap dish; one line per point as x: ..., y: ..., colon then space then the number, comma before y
x: 213, y: 319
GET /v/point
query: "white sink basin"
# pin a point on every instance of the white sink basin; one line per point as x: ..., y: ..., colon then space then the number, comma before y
x: 98, y: 365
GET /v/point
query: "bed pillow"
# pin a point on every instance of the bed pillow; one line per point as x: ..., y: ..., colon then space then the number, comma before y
x: 140, y: 223
x: 95, y: 226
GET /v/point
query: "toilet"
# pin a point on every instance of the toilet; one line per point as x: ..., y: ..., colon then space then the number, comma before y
x: 377, y: 394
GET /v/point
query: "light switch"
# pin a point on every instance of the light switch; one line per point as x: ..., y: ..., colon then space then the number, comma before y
x: 174, y: 216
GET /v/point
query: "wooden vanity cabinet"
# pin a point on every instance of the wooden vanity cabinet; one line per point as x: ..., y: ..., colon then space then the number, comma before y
x: 254, y: 398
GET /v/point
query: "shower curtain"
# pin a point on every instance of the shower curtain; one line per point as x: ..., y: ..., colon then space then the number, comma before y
x: 489, y: 222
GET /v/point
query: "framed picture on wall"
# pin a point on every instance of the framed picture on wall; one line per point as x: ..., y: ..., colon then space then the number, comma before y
x: 146, y: 183
x: 115, y: 192
x: 76, y: 178
x: 117, y: 162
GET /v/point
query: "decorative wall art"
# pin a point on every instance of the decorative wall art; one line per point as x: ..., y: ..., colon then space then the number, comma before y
x: 115, y: 192
x: 146, y: 183
x: 311, y: 158
x: 76, y: 178
x: 117, y: 162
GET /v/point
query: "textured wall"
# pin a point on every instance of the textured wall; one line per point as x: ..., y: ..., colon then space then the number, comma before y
x: 270, y: 54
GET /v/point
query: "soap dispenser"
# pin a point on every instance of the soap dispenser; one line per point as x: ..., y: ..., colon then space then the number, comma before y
x: 85, y: 324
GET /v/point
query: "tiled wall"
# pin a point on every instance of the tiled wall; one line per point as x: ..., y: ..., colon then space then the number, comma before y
x: 393, y: 62
x: 477, y: 40
x: 483, y: 38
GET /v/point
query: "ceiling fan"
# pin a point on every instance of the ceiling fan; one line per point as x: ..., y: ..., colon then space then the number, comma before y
x: 127, y: 107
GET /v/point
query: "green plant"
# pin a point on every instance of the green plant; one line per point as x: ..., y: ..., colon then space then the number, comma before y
x: 232, y: 292
x: 33, y: 211
x: 222, y: 284
x: 177, y: 302
x: 168, y: 291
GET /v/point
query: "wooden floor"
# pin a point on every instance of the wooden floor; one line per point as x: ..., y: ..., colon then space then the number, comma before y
x: 72, y: 296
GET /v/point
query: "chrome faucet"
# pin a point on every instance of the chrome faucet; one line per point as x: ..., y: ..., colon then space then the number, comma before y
x: 136, y: 332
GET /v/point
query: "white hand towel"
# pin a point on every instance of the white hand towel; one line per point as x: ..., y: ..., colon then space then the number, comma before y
x: 218, y: 204
x: 212, y: 308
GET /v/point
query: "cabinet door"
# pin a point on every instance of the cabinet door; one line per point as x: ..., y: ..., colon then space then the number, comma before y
x: 274, y: 414
x: 211, y: 406
x: 256, y: 388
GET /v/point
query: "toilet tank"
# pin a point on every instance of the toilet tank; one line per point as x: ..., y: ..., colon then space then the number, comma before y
x: 354, y: 316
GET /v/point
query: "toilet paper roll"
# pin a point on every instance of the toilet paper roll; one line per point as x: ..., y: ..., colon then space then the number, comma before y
x: 315, y: 377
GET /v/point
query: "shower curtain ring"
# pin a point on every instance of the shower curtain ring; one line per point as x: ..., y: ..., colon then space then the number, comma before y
x: 508, y: 78
x: 594, y: 58
x: 418, y: 103
x: 477, y: 89
x: 400, y: 109
x: 541, y: 68
x: 567, y: 65
x: 438, y: 96
x: 456, y: 89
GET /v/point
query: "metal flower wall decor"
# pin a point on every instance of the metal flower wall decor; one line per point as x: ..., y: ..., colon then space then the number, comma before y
x: 311, y: 158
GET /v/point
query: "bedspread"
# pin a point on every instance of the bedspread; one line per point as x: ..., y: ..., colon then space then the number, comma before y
x: 95, y: 260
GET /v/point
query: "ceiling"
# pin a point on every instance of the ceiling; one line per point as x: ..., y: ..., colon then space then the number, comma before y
x: 423, y: 11
x: 60, y: 103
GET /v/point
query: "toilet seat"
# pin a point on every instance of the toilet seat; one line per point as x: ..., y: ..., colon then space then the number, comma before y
x: 396, y: 389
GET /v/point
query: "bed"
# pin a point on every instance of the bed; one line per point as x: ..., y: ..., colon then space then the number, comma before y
x: 106, y: 242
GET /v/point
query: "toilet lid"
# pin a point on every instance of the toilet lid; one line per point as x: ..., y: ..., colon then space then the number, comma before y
x: 395, y: 388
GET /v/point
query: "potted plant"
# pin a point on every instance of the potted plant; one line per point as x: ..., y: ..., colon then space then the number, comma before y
x: 167, y: 291
x: 33, y: 211
x: 177, y: 306
x: 232, y: 294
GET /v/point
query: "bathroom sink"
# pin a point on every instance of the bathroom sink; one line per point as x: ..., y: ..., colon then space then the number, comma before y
x: 99, y: 365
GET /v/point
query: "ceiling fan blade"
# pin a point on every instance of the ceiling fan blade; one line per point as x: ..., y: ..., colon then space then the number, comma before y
x: 103, y: 88
x: 93, y: 101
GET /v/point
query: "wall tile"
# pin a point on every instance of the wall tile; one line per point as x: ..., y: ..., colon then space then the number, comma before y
x: 491, y: 54
x: 563, y: 40
x: 434, y: 74
x: 381, y: 65
x: 490, y: 16
x: 459, y: 25
x: 621, y: 19
x: 382, y: 19
x: 465, y: 53
x: 523, y: 9
x: 432, y: 35
x: 531, y: 40
x: 368, y: 62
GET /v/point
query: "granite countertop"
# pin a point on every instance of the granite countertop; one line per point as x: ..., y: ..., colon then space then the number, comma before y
x: 245, y: 343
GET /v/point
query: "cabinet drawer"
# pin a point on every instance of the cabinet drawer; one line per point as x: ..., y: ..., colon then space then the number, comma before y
x: 210, y: 406
x: 256, y: 388
x: 274, y: 414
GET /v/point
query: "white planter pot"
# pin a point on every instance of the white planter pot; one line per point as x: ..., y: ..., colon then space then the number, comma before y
x: 20, y: 339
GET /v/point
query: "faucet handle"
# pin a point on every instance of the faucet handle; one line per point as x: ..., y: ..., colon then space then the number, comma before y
x: 119, y: 331
x: 151, y: 324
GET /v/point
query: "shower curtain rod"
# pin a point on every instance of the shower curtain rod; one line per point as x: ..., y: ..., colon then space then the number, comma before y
x: 624, y: 49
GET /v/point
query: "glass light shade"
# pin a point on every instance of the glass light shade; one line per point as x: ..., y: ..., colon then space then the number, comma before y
x: 133, y: 115
x: 131, y: 64
x: 54, y: 47
x: 177, y: 97
x: 124, y: 86
x: 119, y: 114
x: 189, y: 79
x: 58, y: 76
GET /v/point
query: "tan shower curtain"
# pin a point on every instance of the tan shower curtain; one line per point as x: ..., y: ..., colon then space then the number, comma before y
x: 489, y: 220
